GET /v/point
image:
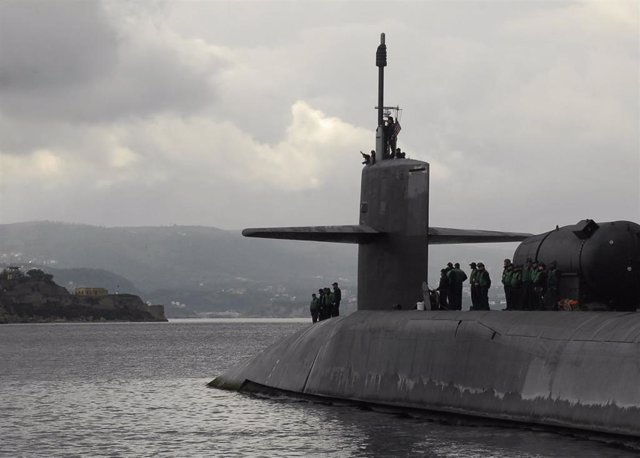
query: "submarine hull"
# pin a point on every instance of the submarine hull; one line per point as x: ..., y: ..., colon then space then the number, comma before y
x: 574, y: 370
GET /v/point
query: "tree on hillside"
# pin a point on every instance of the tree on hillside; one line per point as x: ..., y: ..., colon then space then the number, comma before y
x: 39, y: 275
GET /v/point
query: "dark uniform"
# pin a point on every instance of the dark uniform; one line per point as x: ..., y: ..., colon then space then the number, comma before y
x: 456, y: 277
x: 443, y: 290
x: 314, y: 308
x: 539, y: 281
x: 473, y: 283
x: 515, y: 282
x: 506, y: 282
x: 337, y: 297
x: 322, y: 306
x: 553, y: 279
x: 484, y: 283
x: 328, y: 302
x: 527, y: 287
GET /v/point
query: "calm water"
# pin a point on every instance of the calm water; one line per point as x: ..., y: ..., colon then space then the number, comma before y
x: 118, y: 389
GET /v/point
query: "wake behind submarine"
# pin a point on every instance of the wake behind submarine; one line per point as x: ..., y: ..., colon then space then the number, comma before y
x: 573, y: 369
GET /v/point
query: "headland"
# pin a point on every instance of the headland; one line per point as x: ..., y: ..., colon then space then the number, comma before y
x: 33, y: 297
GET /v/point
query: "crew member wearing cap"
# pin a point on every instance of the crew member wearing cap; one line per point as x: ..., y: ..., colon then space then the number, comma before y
x: 506, y: 282
x: 484, y: 283
x: 473, y: 282
x: 443, y: 290
x: 456, y: 278
x: 527, y: 272
x: 337, y: 297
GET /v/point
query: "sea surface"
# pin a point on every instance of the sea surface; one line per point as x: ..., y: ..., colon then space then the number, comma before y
x: 139, y: 389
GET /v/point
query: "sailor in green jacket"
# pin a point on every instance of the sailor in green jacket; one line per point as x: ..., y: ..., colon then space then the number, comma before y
x: 506, y: 282
x: 527, y: 287
x: 539, y: 281
x: 515, y: 282
x: 484, y: 283
x: 553, y: 279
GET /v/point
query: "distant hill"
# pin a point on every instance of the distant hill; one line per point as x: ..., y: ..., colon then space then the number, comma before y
x: 204, y: 269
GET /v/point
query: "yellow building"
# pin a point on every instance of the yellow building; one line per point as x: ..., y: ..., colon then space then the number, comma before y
x: 91, y: 292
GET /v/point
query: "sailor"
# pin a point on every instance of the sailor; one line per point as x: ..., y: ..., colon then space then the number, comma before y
x: 373, y: 156
x: 539, y: 280
x: 443, y: 290
x: 313, y: 308
x: 532, y: 299
x: 527, y: 272
x: 328, y: 300
x: 553, y: 280
x: 506, y: 281
x: 322, y: 313
x: 391, y: 137
x: 484, y: 282
x: 473, y: 283
x: 366, y: 158
x: 337, y: 297
x: 515, y: 282
x: 456, y: 277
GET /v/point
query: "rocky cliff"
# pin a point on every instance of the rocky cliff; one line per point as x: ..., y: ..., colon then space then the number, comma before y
x: 35, y: 297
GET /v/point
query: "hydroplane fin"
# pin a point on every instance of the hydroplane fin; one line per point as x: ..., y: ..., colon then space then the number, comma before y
x: 445, y: 235
x: 365, y: 234
x: 339, y: 234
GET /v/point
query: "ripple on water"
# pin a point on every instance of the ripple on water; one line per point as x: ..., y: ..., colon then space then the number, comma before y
x: 140, y: 390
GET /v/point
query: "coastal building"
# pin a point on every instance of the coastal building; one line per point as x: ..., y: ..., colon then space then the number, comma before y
x: 85, y: 291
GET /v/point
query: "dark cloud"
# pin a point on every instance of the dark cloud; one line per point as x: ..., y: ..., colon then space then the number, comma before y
x: 46, y: 46
x: 73, y: 61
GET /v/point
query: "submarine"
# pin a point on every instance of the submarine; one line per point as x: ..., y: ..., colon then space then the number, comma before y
x: 577, y: 369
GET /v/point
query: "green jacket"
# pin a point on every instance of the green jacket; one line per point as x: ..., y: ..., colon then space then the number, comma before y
x: 484, y: 280
x: 473, y: 277
x: 456, y: 276
x: 526, y: 274
x: 516, y: 278
x: 506, y: 277
x: 313, y: 306
x: 328, y: 298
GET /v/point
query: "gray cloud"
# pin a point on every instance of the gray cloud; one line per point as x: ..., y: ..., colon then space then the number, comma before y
x: 79, y: 62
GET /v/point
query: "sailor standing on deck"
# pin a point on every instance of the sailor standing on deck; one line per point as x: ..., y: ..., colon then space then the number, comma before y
x: 322, y: 307
x: 484, y: 282
x: 313, y: 308
x: 506, y: 282
x: 443, y: 290
x: 328, y: 301
x: 456, y: 278
x: 473, y: 282
x: 553, y: 279
x: 527, y: 272
x: 337, y: 297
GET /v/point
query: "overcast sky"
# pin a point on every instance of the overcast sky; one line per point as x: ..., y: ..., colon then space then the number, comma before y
x: 240, y: 114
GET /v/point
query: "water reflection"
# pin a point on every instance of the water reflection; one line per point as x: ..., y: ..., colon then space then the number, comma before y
x: 140, y: 390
